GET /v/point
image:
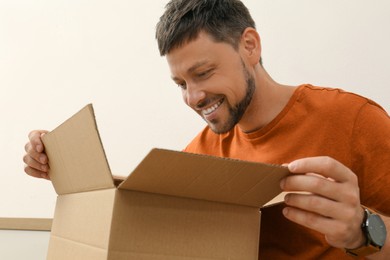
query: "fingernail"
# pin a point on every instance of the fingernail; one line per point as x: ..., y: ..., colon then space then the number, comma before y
x: 282, y: 183
x: 39, y: 148
x: 286, y: 198
x: 42, y: 159
x: 285, y: 211
x: 292, y: 166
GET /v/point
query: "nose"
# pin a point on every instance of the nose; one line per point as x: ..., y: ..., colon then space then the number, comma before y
x: 193, y: 96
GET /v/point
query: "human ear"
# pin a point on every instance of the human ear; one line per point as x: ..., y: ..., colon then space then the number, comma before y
x: 251, y: 45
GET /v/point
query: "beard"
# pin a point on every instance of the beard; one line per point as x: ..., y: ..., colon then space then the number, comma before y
x: 236, y: 112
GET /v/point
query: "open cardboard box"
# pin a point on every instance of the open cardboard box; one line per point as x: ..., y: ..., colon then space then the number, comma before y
x: 174, y: 205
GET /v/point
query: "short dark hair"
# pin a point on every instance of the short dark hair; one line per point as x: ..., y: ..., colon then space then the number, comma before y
x: 183, y: 20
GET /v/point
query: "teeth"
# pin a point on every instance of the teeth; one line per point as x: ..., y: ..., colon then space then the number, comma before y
x: 211, y: 109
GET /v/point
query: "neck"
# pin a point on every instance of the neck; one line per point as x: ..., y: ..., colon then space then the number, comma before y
x: 268, y: 101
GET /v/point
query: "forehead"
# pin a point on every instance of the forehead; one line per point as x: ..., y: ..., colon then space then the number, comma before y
x: 201, y: 51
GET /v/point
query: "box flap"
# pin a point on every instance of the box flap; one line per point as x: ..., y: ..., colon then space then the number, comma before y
x: 206, y: 177
x: 76, y: 157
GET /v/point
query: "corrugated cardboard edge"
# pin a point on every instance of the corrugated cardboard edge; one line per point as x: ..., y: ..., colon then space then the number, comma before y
x: 34, y: 224
x: 137, y: 181
x: 228, y: 159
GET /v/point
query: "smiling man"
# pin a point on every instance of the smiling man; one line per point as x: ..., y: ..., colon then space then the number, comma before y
x: 328, y: 136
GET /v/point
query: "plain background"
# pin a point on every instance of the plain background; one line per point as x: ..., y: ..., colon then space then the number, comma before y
x: 21, y: 244
x: 57, y: 56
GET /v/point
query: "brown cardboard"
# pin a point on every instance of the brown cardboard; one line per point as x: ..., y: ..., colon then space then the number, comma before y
x: 174, y: 205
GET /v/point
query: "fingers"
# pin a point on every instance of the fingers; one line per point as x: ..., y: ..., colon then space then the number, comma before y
x: 316, y: 184
x: 35, y: 173
x: 31, y: 152
x: 31, y: 162
x: 35, y: 158
x: 338, y: 233
x: 330, y: 203
x: 324, y: 166
x: 323, y: 176
x: 36, y: 141
x: 321, y: 206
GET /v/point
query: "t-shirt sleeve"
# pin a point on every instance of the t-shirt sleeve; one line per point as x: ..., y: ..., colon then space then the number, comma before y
x: 371, y: 153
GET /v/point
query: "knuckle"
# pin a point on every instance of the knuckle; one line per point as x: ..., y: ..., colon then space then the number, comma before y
x: 32, y: 134
x: 29, y: 161
x: 27, y: 147
x: 354, y: 178
x: 317, y: 184
x: 351, y: 197
x: 328, y: 162
x: 25, y: 159
x: 35, y: 137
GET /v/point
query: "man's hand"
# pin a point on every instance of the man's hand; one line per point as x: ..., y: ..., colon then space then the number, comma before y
x: 330, y: 202
x: 35, y: 158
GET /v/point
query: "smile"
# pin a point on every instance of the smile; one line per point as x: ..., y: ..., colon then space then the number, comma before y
x: 211, y: 109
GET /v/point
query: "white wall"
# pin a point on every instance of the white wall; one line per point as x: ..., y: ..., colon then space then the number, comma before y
x: 57, y: 56
x: 22, y: 244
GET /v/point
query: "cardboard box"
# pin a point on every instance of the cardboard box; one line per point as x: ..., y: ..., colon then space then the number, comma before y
x: 174, y: 205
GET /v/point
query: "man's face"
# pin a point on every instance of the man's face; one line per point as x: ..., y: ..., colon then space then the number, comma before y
x: 214, y: 81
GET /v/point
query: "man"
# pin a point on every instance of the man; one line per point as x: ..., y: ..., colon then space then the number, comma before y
x: 336, y: 144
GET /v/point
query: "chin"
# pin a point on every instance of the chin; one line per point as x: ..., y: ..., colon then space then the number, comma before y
x: 220, y: 129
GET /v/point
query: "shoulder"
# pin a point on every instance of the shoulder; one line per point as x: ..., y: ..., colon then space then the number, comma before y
x: 333, y: 94
x: 334, y: 100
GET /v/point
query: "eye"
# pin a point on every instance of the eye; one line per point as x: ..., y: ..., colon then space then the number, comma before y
x: 204, y: 74
x: 183, y: 85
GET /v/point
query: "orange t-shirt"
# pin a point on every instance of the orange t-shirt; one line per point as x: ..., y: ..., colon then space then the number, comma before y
x: 316, y: 122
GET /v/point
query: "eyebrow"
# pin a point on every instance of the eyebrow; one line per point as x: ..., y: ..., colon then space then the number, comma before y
x: 194, y: 67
